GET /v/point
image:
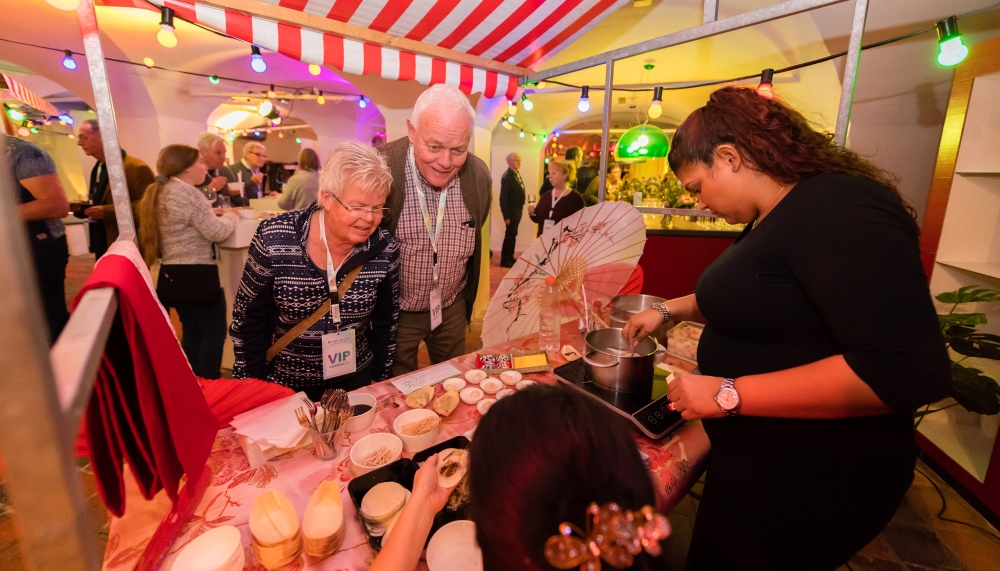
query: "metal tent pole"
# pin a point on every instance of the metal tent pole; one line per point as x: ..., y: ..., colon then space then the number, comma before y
x: 609, y: 79
x: 851, y: 72
x: 711, y: 11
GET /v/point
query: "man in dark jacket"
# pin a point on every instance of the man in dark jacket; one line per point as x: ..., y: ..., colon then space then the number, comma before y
x: 248, y: 169
x: 511, y: 207
x: 441, y: 241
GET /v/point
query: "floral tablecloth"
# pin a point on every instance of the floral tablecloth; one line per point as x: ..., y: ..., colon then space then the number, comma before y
x: 676, y: 461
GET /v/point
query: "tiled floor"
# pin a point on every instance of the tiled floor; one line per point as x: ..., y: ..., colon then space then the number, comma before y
x: 915, y: 540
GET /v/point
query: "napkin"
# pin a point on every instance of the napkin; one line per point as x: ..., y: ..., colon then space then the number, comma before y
x: 271, y: 429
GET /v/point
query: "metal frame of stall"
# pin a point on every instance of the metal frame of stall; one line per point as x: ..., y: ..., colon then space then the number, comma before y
x: 43, y: 392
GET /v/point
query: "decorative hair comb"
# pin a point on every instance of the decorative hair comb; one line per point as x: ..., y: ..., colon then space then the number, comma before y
x: 613, y: 535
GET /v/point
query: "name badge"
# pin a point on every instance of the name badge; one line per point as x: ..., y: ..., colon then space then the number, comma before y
x: 548, y: 225
x: 339, y: 354
x: 435, y: 308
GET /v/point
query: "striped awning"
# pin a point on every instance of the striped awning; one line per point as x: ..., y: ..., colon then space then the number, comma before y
x: 27, y: 96
x: 518, y: 32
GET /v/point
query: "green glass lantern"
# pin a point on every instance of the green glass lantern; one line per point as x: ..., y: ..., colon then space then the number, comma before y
x: 641, y: 143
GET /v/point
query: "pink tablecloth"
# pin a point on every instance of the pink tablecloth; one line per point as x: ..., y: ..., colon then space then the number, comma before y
x: 676, y: 461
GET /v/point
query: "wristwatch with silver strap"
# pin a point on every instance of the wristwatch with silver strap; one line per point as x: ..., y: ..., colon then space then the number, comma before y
x: 727, y: 398
x: 663, y: 309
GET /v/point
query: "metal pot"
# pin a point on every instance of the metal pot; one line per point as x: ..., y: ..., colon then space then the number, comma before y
x: 625, y: 306
x: 610, y: 364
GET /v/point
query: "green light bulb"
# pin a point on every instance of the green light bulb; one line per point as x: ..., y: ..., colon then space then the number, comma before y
x: 214, y: 79
x: 952, y: 51
x: 298, y: 139
x: 15, y: 115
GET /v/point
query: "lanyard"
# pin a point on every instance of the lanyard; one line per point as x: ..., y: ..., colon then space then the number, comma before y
x: 433, y: 232
x: 555, y: 200
x: 331, y: 274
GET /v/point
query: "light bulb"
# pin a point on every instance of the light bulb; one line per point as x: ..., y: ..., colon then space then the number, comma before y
x: 270, y: 92
x: 320, y: 99
x: 522, y: 134
x: 655, y: 109
x: 66, y: 119
x: 511, y: 108
x: 314, y: 69
x: 64, y: 5
x: 256, y: 133
x: 584, y: 104
x: 766, y: 88
x: 534, y: 138
x: 23, y: 131
x: 265, y: 108
x: 281, y: 135
x: 257, y: 61
x: 951, y: 50
x: 298, y: 139
x: 507, y: 126
x: 148, y: 62
x: 68, y: 62
x: 34, y: 129
x: 71, y: 136
x: 166, y: 36
x: 15, y: 115
x: 510, y: 120
x: 213, y: 79
x: 528, y: 105
x: 363, y: 102
x: 276, y: 121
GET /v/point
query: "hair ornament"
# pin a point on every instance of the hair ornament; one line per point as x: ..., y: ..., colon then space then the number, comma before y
x: 613, y: 534
x: 162, y: 179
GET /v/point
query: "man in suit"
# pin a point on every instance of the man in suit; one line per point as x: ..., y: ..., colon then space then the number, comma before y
x: 138, y: 176
x: 439, y: 277
x: 254, y: 156
x: 213, y: 151
x: 511, y: 207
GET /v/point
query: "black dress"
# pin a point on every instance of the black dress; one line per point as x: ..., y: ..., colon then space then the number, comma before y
x: 834, y: 269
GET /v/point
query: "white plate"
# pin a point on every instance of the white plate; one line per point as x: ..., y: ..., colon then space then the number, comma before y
x: 510, y: 378
x: 504, y: 393
x: 454, y: 548
x: 521, y: 385
x: 475, y: 376
x: 454, y: 384
x: 471, y: 395
x: 491, y: 385
x: 484, y: 405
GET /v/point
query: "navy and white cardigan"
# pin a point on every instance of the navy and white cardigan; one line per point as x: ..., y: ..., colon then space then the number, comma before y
x: 281, y: 286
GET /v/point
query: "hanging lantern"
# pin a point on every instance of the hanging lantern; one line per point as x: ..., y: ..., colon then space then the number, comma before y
x: 640, y: 143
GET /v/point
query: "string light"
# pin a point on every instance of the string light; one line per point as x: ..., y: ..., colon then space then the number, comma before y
x: 68, y: 62
x: 265, y: 108
x: 66, y: 119
x: 148, y: 62
x: 526, y: 103
x: 34, y: 130
x: 23, y: 131
x: 765, y: 88
x: 655, y: 109
x: 270, y: 92
x: 213, y: 79
x: 507, y: 125
x: 70, y: 136
x: 14, y: 114
x: 951, y: 50
x: 511, y: 108
x: 584, y: 104
x: 166, y: 35
x: 363, y: 102
x: 510, y: 120
x: 522, y: 133
x: 314, y: 69
x: 281, y: 135
x: 320, y: 99
x: 534, y: 138
x: 256, y: 60
x: 298, y: 140
x: 256, y: 133
x: 64, y: 5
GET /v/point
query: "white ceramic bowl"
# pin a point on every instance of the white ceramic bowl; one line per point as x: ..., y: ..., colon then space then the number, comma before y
x: 416, y: 443
x: 521, y: 385
x: 484, y: 405
x: 218, y: 548
x: 491, y: 385
x: 471, y: 395
x: 364, y: 420
x: 454, y: 384
x: 371, y: 443
x: 248, y: 213
x: 454, y: 548
x: 475, y: 376
x: 510, y: 378
x: 504, y: 393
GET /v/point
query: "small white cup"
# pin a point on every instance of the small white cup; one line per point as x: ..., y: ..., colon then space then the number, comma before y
x: 363, y: 420
x: 371, y: 443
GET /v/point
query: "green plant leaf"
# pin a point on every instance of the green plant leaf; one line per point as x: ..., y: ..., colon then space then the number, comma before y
x: 974, y: 390
x: 968, y: 294
x: 972, y: 344
x: 967, y: 319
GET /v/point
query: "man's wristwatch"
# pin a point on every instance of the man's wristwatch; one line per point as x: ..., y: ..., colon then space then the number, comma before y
x: 727, y: 398
x: 663, y: 309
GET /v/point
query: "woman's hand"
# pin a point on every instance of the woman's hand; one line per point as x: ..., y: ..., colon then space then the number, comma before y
x: 218, y: 211
x: 531, y: 209
x: 426, y: 488
x: 640, y: 325
x: 694, y: 396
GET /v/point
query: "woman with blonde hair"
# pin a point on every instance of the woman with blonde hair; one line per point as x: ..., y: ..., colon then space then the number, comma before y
x: 324, y: 283
x: 301, y: 190
x: 559, y: 202
x: 178, y: 225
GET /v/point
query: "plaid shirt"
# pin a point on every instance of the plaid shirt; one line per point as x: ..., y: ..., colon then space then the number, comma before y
x: 456, y: 243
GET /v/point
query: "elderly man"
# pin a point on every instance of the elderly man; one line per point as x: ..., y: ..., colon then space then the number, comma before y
x: 440, y: 199
x: 213, y: 151
x: 248, y: 169
x: 138, y: 176
x: 511, y: 207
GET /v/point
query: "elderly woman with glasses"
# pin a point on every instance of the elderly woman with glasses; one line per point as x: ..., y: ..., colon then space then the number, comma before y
x: 319, y: 299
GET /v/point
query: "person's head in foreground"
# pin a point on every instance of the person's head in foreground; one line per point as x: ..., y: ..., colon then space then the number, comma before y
x: 353, y: 187
x: 440, y: 130
x: 739, y: 144
x: 540, y: 458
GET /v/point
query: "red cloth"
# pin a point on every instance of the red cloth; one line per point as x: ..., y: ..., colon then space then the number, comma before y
x: 229, y: 397
x: 147, y: 409
x: 634, y: 283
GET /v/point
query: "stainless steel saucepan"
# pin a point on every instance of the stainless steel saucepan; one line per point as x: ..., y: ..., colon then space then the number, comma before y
x: 611, y: 364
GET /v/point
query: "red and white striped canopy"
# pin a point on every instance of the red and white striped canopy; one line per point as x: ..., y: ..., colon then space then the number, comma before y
x: 519, y: 32
x: 27, y: 96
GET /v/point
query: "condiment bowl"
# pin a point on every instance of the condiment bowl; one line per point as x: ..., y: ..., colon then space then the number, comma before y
x: 363, y: 420
x: 475, y: 376
x: 484, y: 405
x: 421, y: 441
x: 370, y: 444
x: 510, y: 378
x: 454, y: 548
x: 491, y: 385
x: 471, y: 395
x: 454, y: 384
x: 504, y: 393
x: 521, y: 385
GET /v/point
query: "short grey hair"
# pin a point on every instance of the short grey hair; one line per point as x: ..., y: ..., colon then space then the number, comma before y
x: 209, y: 141
x: 444, y: 97
x: 95, y: 126
x: 355, y: 164
x: 511, y: 156
x: 249, y: 147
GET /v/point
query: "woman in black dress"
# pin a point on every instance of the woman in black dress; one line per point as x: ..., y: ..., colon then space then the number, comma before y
x: 820, y: 340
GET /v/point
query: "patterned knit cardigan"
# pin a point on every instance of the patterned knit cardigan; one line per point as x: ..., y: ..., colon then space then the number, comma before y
x: 281, y: 286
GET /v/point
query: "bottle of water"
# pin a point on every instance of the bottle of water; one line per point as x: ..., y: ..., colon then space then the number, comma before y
x: 548, y: 316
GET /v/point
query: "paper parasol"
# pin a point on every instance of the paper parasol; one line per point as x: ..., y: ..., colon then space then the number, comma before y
x: 591, y: 253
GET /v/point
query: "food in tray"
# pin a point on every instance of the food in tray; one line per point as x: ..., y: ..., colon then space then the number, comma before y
x: 682, y: 340
x: 420, y: 397
x: 471, y: 395
x: 446, y: 403
x: 377, y: 457
x: 422, y: 426
x: 273, y: 519
x: 381, y: 506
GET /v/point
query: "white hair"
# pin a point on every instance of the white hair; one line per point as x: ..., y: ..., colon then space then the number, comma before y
x: 357, y: 165
x: 443, y: 98
x: 251, y: 146
x: 207, y: 141
x: 511, y: 156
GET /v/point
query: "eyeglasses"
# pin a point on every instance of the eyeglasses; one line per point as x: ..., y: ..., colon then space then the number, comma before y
x: 359, y: 212
x: 258, y: 154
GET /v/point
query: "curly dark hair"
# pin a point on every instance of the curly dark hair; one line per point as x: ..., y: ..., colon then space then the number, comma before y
x: 774, y: 138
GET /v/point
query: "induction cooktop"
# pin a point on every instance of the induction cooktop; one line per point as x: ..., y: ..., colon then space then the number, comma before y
x: 651, y: 416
